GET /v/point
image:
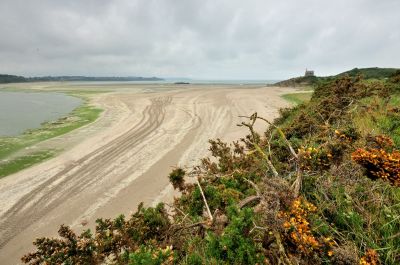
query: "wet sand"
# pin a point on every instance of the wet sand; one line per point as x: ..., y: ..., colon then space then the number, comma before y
x: 110, y: 166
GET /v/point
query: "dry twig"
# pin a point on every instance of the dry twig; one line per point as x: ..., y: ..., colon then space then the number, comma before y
x: 204, y: 199
x: 253, y: 185
x: 297, y: 184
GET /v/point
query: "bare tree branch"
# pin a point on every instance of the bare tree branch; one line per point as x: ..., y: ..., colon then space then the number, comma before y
x: 265, y: 156
x: 253, y: 119
x: 253, y: 185
x: 204, y: 199
x: 294, y: 154
x: 248, y: 200
x: 297, y: 184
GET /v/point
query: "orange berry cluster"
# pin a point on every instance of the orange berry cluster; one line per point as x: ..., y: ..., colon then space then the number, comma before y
x: 370, y: 258
x: 379, y: 162
x: 297, y: 228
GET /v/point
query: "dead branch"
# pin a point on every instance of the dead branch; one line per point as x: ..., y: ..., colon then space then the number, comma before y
x: 297, y: 184
x: 189, y: 226
x: 282, y: 134
x: 253, y: 119
x: 216, y: 212
x: 248, y: 200
x: 176, y: 208
x: 204, y: 199
x: 253, y: 185
x: 265, y: 156
x: 257, y: 227
x: 281, y: 248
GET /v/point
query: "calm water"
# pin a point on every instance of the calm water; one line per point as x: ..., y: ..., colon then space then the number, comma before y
x: 173, y: 80
x: 20, y: 111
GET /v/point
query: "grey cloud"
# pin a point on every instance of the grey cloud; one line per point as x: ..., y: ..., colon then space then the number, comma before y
x: 202, y: 39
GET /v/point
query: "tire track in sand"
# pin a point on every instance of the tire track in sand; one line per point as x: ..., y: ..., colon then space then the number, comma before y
x: 78, y: 175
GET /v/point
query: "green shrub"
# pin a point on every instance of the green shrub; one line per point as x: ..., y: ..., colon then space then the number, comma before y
x: 149, y: 256
x: 176, y: 177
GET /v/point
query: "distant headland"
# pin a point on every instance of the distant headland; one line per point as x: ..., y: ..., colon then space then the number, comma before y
x: 21, y: 79
x: 310, y: 78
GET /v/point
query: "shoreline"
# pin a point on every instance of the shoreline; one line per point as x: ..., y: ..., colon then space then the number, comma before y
x: 124, y: 157
x: 20, y: 152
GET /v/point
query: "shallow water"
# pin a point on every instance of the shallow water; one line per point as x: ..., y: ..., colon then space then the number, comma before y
x: 20, y: 111
x: 171, y: 81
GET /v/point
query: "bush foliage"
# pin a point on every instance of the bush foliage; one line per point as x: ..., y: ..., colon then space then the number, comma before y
x: 319, y: 187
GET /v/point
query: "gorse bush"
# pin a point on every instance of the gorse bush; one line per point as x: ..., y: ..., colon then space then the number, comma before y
x: 113, y: 238
x: 298, y: 232
x: 304, y: 192
x: 380, y: 162
x: 176, y: 177
x: 235, y: 245
x: 150, y: 256
x: 370, y: 258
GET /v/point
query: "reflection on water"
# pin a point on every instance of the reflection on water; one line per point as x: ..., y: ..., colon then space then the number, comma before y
x: 20, y: 111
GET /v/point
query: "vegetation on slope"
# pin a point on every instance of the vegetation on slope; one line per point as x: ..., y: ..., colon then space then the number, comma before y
x: 365, y: 73
x: 370, y: 73
x: 299, y: 81
x: 321, y: 186
x: 298, y: 98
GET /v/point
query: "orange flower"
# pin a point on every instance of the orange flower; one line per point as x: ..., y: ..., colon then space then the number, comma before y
x: 378, y: 162
x: 298, y: 230
x: 370, y: 258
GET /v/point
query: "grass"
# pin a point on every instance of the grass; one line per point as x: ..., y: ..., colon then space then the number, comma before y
x: 20, y: 163
x: 79, y: 117
x: 298, y: 98
x: 380, y: 118
x: 358, y: 212
x: 367, y: 225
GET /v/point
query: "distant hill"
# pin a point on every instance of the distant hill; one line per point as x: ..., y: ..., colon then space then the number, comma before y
x: 370, y: 73
x: 21, y: 79
x: 367, y: 73
x: 11, y: 79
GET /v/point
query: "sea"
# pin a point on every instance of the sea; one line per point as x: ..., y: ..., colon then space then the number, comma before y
x: 20, y: 111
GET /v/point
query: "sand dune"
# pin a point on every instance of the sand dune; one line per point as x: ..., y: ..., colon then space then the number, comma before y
x: 123, y: 158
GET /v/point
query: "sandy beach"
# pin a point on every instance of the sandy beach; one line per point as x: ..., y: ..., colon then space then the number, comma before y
x: 110, y: 166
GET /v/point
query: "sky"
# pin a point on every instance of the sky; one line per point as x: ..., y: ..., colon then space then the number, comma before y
x: 201, y: 39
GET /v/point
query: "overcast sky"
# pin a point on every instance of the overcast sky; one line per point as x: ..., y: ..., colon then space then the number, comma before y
x: 209, y: 39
